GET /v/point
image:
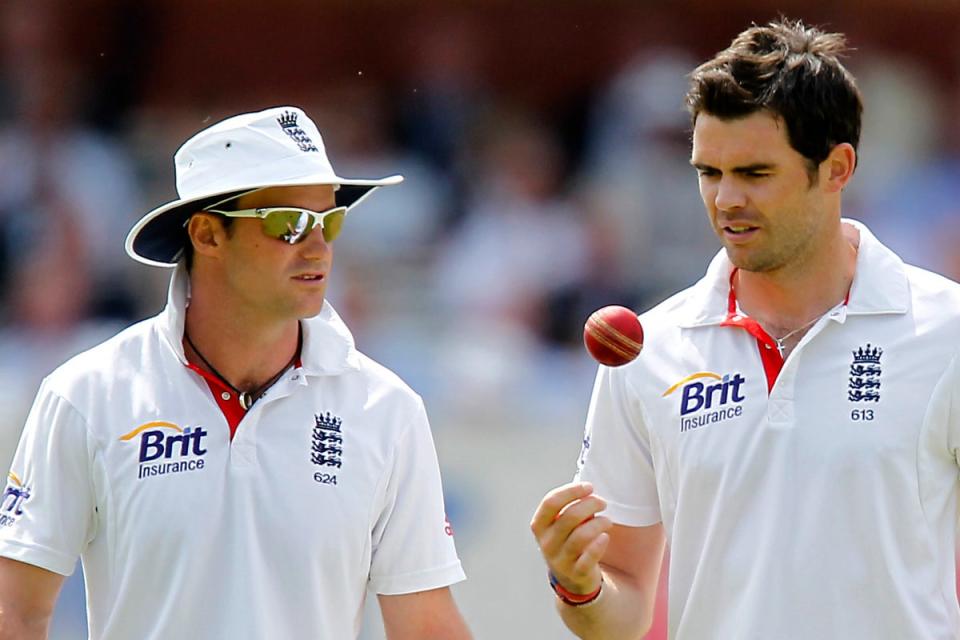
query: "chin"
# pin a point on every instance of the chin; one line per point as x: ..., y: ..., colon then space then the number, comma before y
x: 303, y: 307
x: 745, y: 261
x: 311, y: 310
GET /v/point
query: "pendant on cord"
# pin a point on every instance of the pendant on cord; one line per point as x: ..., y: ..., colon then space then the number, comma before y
x: 246, y: 400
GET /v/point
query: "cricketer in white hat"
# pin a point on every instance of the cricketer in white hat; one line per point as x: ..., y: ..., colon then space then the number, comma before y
x: 233, y: 467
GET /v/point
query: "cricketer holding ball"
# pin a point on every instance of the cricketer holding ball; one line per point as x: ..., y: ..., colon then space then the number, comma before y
x: 233, y: 467
x: 792, y: 426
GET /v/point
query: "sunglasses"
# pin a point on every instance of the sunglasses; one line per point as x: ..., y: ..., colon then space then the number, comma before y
x: 293, y: 224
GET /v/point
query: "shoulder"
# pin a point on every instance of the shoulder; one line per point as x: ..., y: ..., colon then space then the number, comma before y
x: 935, y: 305
x: 383, y: 385
x: 664, y: 337
x: 104, y: 364
x: 927, y: 284
x: 933, y: 296
x: 684, y: 308
x: 680, y: 305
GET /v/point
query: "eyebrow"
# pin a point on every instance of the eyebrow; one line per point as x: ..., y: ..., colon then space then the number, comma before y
x: 747, y: 168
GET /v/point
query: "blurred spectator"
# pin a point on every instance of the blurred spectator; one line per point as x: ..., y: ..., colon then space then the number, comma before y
x: 521, y: 243
x: 401, y: 223
x: 638, y: 172
x: 900, y: 124
x: 522, y: 239
x: 445, y: 95
x: 48, y: 306
x: 44, y: 146
x: 909, y: 173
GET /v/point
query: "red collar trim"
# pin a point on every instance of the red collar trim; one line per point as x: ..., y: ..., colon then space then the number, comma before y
x: 226, y: 397
x: 769, y: 353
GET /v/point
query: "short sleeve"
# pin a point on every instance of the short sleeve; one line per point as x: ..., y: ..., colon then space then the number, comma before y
x: 615, y: 456
x: 47, y: 515
x: 413, y: 547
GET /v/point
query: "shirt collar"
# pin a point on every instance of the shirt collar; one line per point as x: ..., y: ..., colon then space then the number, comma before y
x: 328, y: 346
x: 879, y: 284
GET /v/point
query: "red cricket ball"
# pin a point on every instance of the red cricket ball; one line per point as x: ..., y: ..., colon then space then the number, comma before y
x: 613, y: 335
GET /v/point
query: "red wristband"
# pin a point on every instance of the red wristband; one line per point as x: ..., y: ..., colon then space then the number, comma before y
x: 571, y: 598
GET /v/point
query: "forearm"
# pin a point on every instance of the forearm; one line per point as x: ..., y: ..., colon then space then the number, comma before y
x: 423, y: 615
x: 618, y: 614
x: 27, y: 598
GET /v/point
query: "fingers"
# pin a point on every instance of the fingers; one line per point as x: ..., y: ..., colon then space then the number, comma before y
x: 579, y: 516
x: 564, y: 554
x: 592, y: 553
x: 571, y: 536
x: 554, y: 502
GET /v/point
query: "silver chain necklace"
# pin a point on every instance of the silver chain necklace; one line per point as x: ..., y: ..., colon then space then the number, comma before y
x: 781, y: 347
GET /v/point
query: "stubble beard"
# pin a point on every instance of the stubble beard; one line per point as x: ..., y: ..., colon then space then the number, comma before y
x: 755, y: 261
x: 773, y: 257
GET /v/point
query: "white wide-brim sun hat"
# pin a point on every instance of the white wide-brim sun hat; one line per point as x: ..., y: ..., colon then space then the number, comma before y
x: 277, y: 147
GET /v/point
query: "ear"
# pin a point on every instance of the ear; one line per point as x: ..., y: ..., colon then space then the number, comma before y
x: 837, y: 169
x: 207, y: 234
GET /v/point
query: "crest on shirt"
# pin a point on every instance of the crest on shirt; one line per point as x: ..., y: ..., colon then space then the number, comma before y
x: 327, y: 447
x: 865, y: 373
x: 11, y: 504
x: 288, y: 122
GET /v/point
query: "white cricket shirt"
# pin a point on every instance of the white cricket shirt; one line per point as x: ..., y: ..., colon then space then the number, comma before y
x: 330, y: 486
x: 823, y: 507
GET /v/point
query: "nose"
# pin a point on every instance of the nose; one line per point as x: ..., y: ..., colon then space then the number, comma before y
x: 314, y: 247
x: 729, y: 195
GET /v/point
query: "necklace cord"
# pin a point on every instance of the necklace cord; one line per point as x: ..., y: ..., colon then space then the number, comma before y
x: 247, y: 398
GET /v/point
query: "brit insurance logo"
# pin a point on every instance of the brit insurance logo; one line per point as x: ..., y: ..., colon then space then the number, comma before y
x: 164, y: 448
x: 14, y: 495
x: 707, y: 398
x: 326, y: 449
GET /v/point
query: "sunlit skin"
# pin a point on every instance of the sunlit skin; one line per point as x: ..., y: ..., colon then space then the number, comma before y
x: 248, y: 291
x: 778, y: 225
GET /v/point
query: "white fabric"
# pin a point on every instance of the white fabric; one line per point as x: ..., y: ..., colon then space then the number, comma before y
x: 251, y: 147
x: 252, y: 540
x: 802, y: 514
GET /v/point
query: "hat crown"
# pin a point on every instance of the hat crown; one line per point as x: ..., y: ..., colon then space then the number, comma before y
x: 270, y: 146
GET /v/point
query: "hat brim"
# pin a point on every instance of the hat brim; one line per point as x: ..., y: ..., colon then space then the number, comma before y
x: 159, y: 237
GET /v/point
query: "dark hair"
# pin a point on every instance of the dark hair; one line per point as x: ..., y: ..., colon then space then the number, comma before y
x: 792, y: 71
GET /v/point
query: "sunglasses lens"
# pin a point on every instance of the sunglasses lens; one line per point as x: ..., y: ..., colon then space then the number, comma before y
x: 290, y: 226
x: 332, y: 223
x: 293, y: 225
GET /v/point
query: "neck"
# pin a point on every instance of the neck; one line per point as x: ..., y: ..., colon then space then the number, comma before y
x: 246, y: 351
x: 790, y: 297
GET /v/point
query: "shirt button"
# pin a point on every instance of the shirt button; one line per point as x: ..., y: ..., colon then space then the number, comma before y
x: 225, y: 395
x: 767, y: 346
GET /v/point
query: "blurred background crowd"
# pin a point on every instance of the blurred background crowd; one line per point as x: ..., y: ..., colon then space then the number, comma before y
x: 545, y: 149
